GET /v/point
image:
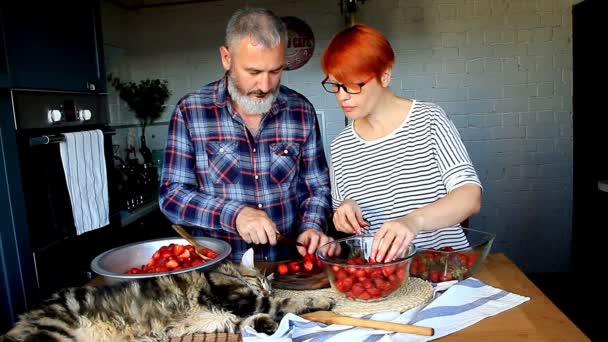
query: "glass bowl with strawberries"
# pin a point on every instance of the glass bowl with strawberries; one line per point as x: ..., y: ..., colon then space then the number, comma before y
x: 158, y: 257
x: 448, y: 263
x: 353, y: 274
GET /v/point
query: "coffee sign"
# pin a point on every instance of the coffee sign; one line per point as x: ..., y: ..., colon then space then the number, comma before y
x: 300, y: 43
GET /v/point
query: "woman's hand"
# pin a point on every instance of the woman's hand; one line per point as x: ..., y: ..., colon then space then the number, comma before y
x: 348, y: 217
x: 393, y: 238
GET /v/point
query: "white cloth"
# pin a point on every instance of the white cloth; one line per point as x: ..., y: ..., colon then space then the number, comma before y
x: 463, y: 304
x: 84, y: 164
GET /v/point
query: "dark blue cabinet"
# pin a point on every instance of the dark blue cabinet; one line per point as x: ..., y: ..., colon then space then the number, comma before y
x: 3, y: 66
x: 54, y: 45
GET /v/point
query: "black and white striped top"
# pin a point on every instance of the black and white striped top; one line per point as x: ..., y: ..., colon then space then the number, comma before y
x: 415, y: 165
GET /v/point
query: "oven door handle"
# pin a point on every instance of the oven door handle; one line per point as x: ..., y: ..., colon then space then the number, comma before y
x: 52, y: 139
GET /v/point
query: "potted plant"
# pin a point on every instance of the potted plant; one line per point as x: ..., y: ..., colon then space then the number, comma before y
x: 147, y: 100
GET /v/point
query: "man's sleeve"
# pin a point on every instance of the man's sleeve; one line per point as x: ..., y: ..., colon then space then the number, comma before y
x: 313, y: 184
x: 182, y: 199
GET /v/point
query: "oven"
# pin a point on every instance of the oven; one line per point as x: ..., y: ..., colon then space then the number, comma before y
x: 61, y: 256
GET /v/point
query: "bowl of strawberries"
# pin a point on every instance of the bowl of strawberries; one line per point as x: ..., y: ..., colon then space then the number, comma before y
x: 158, y: 257
x: 449, y: 263
x: 355, y: 275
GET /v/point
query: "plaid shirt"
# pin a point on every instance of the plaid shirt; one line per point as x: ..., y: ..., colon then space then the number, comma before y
x: 213, y: 167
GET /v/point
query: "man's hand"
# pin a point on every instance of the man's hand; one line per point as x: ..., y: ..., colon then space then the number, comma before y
x: 254, y: 226
x: 313, y: 239
x: 348, y: 217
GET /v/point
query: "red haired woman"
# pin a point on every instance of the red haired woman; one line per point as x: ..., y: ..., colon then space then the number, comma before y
x: 400, y: 163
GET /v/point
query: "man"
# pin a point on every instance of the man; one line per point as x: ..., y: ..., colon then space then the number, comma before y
x: 244, y: 160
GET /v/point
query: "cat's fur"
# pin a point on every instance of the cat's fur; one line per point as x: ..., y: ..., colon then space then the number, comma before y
x: 225, y: 299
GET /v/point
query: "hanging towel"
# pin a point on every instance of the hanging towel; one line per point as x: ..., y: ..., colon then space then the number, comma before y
x: 84, y: 165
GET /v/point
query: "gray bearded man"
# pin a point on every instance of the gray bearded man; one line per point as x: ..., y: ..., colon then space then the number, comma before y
x: 244, y: 160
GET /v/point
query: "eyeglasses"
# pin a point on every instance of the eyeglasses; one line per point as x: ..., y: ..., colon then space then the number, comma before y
x: 333, y: 87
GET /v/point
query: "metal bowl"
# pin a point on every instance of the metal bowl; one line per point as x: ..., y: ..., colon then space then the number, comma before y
x: 114, y: 264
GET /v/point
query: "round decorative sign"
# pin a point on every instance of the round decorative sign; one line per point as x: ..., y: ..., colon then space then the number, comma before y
x: 300, y: 43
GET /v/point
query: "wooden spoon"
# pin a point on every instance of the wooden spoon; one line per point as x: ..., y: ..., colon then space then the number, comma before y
x: 197, y: 247
x: 329, y: 317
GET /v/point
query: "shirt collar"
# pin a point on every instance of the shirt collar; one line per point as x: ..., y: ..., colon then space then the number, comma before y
x: 222, y: 98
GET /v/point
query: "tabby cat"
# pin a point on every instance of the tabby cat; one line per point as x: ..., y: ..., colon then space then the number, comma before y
x: 225, y: 299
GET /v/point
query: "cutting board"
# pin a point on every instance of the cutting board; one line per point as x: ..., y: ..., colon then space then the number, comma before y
x: 300, y: 281
x: 297, y: 281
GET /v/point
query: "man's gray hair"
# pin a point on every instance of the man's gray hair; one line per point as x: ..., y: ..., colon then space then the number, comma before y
x: 260, y: 24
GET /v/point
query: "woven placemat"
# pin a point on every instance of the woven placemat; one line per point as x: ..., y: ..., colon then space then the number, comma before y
x: 415, y: 292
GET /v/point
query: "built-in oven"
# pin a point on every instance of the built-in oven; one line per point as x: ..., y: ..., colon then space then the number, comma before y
x: 61, y: 256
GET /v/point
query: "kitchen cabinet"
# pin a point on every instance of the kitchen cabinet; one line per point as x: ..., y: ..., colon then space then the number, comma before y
x: 3, y: 67
x: 54, y: 45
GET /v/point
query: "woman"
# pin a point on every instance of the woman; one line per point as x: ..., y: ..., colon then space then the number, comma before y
x: 399, y: 169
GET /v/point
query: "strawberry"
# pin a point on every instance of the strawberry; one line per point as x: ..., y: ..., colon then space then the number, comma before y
x: 308, y: 265
x: 282, y: 269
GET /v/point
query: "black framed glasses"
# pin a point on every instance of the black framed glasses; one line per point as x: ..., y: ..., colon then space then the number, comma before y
x: 333, y: 87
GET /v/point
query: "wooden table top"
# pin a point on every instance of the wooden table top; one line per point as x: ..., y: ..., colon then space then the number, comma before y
x: 536, y: 320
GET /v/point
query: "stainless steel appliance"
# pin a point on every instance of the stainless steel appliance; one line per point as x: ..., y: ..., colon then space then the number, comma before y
x: 61, y: 257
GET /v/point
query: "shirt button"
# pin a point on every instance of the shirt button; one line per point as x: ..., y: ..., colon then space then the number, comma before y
x: 260, y: 205
x: 256, y: 177
x: 254, y: 150
x: 286, y: 151
x: 221, y: 150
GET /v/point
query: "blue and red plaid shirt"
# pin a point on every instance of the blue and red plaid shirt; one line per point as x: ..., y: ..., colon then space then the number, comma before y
x: 213, y: 167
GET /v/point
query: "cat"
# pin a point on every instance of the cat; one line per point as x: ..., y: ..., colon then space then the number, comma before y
x: 225, y: 299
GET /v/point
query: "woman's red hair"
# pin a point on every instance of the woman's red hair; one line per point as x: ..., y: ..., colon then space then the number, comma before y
x: 357, y: 53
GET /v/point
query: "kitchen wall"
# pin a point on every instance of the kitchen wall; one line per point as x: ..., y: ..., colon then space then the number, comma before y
x: 502, y: 69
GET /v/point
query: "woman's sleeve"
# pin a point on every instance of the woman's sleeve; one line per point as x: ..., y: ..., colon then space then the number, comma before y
x: 451, y: 154
x: 336, y: 198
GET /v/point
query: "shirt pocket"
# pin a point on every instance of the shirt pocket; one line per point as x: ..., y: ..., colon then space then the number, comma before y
x: 223, y: 160
x: 284, y: 159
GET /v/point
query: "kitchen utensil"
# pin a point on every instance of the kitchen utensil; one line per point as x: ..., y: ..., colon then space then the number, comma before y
x: 114, y: 263
x: 445, y: 265
x: 289, y: 240
x: 197, y: 247
x: 352, y: 275
x: 329, y: 317
x: 300, y: 281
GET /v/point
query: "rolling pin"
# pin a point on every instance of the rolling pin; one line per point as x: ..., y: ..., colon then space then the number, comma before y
x: 329, y: 317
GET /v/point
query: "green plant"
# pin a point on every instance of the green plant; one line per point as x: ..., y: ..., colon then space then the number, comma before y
x: 146, y: 98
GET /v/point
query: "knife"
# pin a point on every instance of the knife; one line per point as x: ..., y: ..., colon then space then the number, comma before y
x: 288, y: 240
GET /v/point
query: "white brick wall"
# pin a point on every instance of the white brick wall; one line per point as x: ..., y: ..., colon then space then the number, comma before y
x: 502, y: 69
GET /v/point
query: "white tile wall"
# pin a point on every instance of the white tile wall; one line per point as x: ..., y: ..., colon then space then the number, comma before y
x: 502, y: 69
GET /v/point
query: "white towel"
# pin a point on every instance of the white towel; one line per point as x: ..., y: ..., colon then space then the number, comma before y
x: 463, y: 304
x: 84, y: 164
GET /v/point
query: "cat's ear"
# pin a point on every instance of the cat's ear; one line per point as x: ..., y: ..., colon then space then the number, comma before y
x: 247, y: 260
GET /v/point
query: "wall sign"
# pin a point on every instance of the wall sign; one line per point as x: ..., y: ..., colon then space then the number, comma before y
x: 300, y: 43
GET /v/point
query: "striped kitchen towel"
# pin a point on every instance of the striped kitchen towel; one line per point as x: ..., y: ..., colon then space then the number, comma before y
x: 84, y: 165
x: 461, y: 305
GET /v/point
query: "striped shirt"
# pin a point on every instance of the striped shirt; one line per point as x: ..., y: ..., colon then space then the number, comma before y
x: 213, y: 167
x: 413, y: 166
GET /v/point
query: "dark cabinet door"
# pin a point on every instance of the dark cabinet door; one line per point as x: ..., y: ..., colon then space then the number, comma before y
x: 3, y: 67
x: 53, y: 45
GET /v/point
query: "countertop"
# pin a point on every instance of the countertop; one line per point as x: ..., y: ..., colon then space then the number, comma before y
x: 535, y: 320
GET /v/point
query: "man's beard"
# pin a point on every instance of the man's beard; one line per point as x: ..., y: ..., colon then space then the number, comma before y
x: 257, y: 105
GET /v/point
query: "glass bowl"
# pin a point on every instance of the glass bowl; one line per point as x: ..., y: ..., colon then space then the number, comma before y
x: 114, y: 264
x: 351, y: 274
x: 447, y: 263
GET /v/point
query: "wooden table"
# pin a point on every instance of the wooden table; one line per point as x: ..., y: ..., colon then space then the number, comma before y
x: 536, y: 320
